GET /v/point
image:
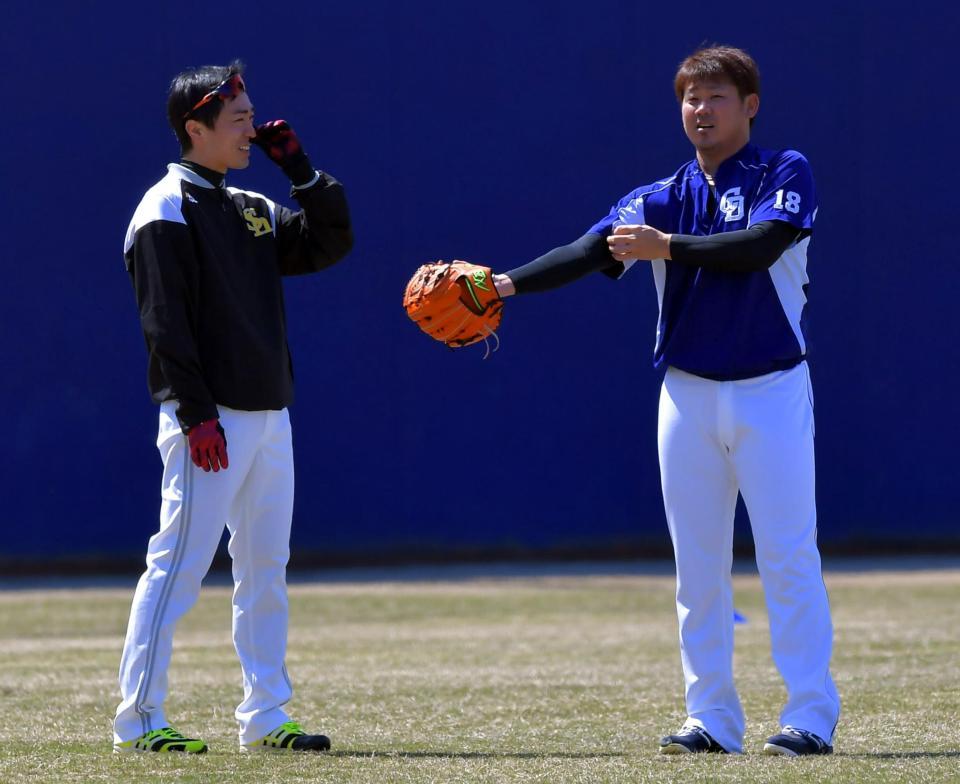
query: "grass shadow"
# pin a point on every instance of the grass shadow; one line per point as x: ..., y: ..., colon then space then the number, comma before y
x: 348, y: 753
x: 900, y: 755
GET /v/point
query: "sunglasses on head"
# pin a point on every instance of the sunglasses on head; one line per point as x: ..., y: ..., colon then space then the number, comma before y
x: 227, y: 89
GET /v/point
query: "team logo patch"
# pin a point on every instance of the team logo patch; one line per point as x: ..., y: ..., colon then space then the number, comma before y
x: 257, y: 224
x: 731, y: 205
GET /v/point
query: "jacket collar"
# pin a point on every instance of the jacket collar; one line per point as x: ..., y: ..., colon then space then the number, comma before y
x: 191, y: 176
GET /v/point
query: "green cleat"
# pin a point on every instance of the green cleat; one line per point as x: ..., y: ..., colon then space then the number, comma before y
x: 167, y: 739
x: 289, y: 736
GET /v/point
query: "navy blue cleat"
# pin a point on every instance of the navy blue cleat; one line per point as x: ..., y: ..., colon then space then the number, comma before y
x: 792, y: 742
x: 691, y: 739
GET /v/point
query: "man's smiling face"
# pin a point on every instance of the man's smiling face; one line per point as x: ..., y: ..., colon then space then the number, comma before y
x: 227, y: 144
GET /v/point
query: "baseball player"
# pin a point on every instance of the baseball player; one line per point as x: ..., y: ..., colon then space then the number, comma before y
x: 206, y: 262
x: 727, y: 238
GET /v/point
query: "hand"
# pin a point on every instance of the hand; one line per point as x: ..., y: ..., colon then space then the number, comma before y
x: 281, y: 145
x: 638, y: 242
x: 455, y: 303
x: 277, y: 139
x: 208, y: 445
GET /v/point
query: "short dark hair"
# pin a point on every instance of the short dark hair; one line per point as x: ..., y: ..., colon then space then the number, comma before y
x: 187, y: 88
x: 719, y: 63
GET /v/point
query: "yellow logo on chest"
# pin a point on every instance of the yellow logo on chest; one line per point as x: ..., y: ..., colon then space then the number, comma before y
x: 258, y: 225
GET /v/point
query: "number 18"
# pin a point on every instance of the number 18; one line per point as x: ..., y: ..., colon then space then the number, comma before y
x: 792, y: 201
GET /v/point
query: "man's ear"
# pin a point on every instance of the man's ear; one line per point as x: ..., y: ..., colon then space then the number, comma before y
x: 195, y: 130
x: 752, y: 105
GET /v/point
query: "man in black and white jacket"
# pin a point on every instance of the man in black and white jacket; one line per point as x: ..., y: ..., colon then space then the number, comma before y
x: 206, y: 263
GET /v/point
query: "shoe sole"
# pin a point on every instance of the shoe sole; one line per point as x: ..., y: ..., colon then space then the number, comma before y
x: 278, y: 750
x: 772, y: 750
x: 675, y: 748
x: 123, y: 750
x: 679, y: 748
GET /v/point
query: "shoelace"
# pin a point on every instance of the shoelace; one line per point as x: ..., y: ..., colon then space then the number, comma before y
x: 167, y: 732
x: 693, y: 729
x: 805, y: 734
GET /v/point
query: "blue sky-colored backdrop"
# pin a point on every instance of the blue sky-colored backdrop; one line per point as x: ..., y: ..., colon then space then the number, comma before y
x: 491, y: 132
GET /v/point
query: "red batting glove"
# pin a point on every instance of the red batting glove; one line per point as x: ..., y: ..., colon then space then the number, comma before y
x: 208, y: 445
x: 277, y: 139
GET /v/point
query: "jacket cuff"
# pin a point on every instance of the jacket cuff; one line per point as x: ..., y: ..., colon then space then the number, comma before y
x: 191, y: 414
x: 300, y: 171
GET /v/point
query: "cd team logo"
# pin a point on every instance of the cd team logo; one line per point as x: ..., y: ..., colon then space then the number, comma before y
x: 257, y: 224
x: 731, y: 205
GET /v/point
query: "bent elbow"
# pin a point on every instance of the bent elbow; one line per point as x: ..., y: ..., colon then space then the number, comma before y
x: 336, y: 246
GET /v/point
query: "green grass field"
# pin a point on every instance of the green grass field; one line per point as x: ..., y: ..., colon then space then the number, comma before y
x: 551, y: 679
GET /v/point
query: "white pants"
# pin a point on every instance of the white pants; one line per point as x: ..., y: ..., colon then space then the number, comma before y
x: 753, y: 436
x: 254, y: 499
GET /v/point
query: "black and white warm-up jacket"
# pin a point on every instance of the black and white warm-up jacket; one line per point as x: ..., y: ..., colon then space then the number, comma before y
x: 206, y: 265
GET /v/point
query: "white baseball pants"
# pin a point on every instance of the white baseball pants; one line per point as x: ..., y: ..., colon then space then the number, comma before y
x: 254, y: 499
x: 753, y: 436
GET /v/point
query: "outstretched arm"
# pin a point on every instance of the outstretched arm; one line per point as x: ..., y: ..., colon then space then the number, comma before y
x: 558, y: 267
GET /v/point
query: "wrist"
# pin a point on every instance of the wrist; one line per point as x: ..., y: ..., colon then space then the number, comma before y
x: 666, y: 246
x: 208, y: 422
x: 308, y: 184
x: 298, y: 170
x: 504, y: 286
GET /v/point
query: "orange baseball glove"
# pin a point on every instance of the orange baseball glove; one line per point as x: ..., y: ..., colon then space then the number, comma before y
x: 455, y: 303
